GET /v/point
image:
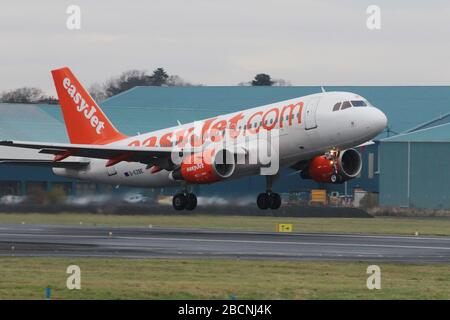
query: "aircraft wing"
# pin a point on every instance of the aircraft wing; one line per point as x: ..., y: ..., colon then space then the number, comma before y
x: 146, y: 155
x: 365, y: 144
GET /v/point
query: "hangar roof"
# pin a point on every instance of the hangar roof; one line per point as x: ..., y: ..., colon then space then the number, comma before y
x: 32, y: 122
x: 440, y: 133
x: 143, y: 109
x: 441, y: 119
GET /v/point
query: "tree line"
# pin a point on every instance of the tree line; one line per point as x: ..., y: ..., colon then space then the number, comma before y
x: 125, y: 81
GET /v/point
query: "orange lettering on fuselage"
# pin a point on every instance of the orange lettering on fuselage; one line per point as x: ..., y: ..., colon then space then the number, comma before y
x: 150, y: 142
x: 291, y: 114
x: 217, y: 129
x: 265, y: 122
x: 166, y: 140
x: 181, y: 138
x: 134, y: 143
x: 283, y: 116
x: 250, y: 121
x: 197, y: 141
x: 234, y: 133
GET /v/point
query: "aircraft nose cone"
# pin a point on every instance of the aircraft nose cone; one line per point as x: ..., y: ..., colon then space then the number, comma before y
x: 380, y: 120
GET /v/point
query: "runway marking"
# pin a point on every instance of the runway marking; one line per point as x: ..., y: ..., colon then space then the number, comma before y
x: 293, y: 234
x: 31, y: 229
x: 219, y: 232
x: 289, y: 242
x: 233, y: 241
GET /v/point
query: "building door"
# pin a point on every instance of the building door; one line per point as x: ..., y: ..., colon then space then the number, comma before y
x: 310, y: 113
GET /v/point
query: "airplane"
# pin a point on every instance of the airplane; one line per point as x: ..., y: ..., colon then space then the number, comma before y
x: 315, y: 135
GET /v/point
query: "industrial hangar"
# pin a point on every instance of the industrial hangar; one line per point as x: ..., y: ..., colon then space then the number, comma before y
x: 407, y: 165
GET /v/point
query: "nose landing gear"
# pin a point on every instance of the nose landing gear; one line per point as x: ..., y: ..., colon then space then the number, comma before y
x: 333, y: 155
x: 182, y: 201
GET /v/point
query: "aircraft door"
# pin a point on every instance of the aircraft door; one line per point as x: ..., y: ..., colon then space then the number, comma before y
x: 310, y: 113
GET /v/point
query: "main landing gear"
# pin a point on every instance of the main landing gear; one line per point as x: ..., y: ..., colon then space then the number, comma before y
x: 268, y: 199
x: 184, y: 200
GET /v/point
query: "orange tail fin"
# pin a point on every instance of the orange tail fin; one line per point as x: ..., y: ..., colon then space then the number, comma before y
x: 85, y: 121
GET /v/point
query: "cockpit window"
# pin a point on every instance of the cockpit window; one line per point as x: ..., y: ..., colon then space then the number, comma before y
x: 337, y: 106
x: 359, y: 103
x: 345, y: 105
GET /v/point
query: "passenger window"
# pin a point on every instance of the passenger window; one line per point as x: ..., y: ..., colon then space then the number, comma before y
x: 337, y: 106
x: 359, y: 103
x: 345, y: 105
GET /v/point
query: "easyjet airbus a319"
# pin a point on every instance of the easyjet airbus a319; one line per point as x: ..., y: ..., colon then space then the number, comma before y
x: 314, y: 135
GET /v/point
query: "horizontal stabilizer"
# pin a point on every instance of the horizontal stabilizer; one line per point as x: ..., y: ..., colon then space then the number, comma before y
x: 46, y: 163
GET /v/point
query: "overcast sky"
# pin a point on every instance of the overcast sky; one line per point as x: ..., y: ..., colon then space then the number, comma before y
x: 316, y: 42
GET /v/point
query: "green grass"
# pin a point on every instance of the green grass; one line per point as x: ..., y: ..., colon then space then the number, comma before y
x: 27, y: 278
x: 403, y: 226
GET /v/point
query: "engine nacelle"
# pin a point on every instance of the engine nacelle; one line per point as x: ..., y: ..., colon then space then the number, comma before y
x: 322, y: 168
x: 205, y: 167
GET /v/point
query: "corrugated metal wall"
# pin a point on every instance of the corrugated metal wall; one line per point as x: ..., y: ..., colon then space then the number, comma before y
x: 415, y: 174
x: 393, y: 174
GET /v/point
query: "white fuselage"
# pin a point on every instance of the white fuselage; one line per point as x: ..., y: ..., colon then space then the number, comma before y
x: 307, y: 126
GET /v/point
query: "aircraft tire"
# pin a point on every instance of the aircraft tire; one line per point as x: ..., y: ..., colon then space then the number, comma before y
x: 191, y: 201
x: 263, y: 201
x: 275, y: 201
x: 179, y: 201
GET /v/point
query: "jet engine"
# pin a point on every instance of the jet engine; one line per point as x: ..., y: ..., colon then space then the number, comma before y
x: 205, y: 167
x: 335, y: 167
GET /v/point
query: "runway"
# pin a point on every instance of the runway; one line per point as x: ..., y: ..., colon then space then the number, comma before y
x: 58, y: 240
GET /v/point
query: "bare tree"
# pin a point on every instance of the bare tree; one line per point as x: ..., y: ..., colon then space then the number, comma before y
x: 48, y: 100
x: 22, y: 95
x: 281, y: 83
x: 97, y: 92
x: 127, y: 80
x: 177, y: 81
x: 132, y: 78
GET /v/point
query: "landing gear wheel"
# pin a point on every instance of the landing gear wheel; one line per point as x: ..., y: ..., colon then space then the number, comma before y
x: 269, y: 199
x: 275, y: 201
x: 179, y: 201
x: 335, y: 178
x: 263, y: 201
x: 191, y: 201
